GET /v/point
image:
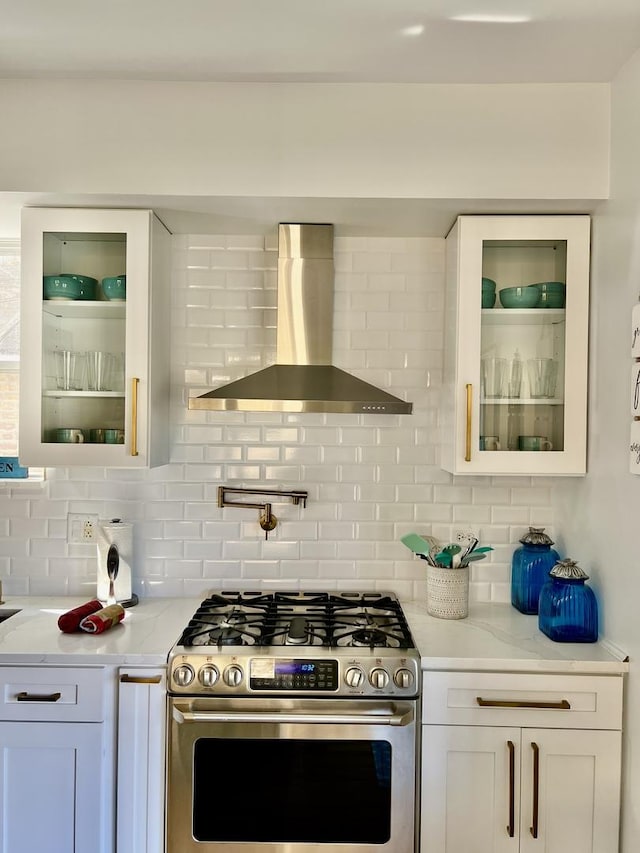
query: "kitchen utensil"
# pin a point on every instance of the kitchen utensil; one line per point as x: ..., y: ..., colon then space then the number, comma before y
x: 443, y: 559
x: 416, y: 543
x: 471, y: 558
x: 519, y: 297
x: 113, y: 562
x: 454, y: 552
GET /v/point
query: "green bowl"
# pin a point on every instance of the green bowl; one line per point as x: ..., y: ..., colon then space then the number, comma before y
x: 519, y: 297
x: 551, y: 294
x: 60, y: 287
x: 115, y: 288
x: 87, y: 285
x: 488, y: 299
x: 488, y: 284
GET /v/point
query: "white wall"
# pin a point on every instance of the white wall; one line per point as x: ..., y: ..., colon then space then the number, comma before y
x: 371, y: 478
x: 342, y: 140
x: 598, y: 518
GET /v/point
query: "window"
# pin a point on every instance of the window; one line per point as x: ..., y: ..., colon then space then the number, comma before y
x: 9, y: 345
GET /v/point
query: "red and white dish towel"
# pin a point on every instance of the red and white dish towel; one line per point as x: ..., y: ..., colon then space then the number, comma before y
x: 91, y: 617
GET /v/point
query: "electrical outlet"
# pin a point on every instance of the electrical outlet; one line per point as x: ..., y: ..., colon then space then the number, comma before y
x: 82, y: 528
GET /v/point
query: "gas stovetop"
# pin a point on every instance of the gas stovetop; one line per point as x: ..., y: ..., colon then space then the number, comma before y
x: 240, y: 643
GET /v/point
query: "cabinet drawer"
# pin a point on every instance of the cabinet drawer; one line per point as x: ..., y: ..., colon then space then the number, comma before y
x: 42, y: 693
x: 516, y: 699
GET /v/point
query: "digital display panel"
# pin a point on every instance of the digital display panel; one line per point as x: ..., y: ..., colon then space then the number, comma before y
x: 294, y: 667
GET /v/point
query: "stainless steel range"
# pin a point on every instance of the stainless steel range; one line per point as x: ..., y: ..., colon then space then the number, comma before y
x: 293, y: 724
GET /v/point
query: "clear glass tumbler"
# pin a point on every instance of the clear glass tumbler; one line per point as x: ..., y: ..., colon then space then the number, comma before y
x: 99, y: 370
x: 494, y: 372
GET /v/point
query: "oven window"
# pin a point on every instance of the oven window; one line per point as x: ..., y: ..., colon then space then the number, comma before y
x: 315, y: 791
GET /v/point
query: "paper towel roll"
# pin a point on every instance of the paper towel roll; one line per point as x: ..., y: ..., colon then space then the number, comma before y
x: 120, y: 534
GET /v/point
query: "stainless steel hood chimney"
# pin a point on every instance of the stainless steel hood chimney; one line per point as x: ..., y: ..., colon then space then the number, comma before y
x: 303, y: 378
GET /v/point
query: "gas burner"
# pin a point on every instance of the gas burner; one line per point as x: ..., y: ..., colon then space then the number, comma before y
x: 368, y: 637
x: 227, y: 637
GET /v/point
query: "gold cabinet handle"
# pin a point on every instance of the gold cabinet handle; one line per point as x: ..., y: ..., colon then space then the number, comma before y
x: 467, y: 455
x: 533, y: 829
x: 560, y: 705
x: 140, y: 679
x: 511, y: 829
x: 134, y: 416
x: 38, y: 697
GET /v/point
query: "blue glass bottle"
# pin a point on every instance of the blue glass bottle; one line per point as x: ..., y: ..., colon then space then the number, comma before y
x: 530, y: 569
x: 568, y: 608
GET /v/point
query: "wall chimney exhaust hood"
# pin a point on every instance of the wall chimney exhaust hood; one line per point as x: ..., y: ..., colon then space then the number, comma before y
x: 303, y: 378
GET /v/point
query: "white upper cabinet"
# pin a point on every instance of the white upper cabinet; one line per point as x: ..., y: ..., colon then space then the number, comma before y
x: 515, y: 378
x: 111, y: 408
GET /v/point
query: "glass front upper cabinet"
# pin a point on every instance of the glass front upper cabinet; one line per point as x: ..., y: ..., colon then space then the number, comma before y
x: 88, y: 363
x: 516, y: 345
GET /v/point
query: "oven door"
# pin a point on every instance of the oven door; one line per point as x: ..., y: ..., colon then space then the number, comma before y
x: 291, y: 776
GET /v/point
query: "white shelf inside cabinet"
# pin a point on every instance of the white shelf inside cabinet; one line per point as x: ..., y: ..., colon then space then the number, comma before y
x: 85, y: 309
x: 522, y: 316
x: 100, y: 394
x: 522, y: 401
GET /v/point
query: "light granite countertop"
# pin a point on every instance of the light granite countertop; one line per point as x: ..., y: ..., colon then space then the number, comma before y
x: 493, y: 637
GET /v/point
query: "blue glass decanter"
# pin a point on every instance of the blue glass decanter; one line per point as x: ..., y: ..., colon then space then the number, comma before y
x: 530, y: 569
x: 568, y: 608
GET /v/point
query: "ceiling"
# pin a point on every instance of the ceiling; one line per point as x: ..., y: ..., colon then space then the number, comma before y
x: 410, y: 41
x: 425, y: 41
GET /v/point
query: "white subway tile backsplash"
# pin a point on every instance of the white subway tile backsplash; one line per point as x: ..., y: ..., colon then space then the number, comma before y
x: 370, y: 478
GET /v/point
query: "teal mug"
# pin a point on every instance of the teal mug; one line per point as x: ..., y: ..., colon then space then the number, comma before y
x: 489, y: 442
x: 96, y: 436
x: 70, y: 436
x: 114, y: 436
x: 534, y: 442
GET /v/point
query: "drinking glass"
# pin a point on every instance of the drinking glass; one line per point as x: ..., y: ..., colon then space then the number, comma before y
x: 99, y: 370
x: 494, y: 371
x: 69, y: 370
x: 543, y: 373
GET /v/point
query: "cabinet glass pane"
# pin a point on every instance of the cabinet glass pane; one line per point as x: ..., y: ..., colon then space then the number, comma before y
x: 522, y: 370
x: 83, y: 338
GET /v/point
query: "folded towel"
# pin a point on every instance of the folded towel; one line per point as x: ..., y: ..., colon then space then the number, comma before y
x: 103, y: 619
x: 70, y: 621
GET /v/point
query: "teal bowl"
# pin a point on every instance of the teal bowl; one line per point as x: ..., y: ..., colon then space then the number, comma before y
x: 488, y: 299
x: 114, y: 288
x: 519, y: 297
x: 60, y: 287
x: 87, y: 285
x: 488, y: 284
x: 551, y: 294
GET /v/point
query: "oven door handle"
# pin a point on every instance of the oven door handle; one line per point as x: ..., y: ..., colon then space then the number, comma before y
x: 390, y: 719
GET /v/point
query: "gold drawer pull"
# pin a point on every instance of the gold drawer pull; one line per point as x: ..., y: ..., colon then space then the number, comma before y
x: 560, y: 705
x: 134, y: 416
x: 467, y: 454
x: 38, y: 697
x: 140, y: 679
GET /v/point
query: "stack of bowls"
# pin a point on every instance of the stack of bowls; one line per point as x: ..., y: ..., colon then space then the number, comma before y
x: 519, y: 297
x: 69, y: 286
x: 488, y: 293
x: 551, y: 294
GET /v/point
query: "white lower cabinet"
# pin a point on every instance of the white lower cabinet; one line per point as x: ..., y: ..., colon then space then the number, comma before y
x: 55, y: 777
x: 548, y: 784
x: 141, y: 760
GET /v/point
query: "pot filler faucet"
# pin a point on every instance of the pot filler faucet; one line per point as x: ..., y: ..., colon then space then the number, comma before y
x: 266, y: 519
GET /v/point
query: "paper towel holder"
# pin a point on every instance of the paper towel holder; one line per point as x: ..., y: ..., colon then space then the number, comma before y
x: 133, y: 600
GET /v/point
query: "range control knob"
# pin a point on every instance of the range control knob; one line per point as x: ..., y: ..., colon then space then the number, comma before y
x: 232, y: 676
x: 379, y: 678
x: 183, y: 675
x: 354, y: 676
x: 208, y: 675
x: 403, y: 678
